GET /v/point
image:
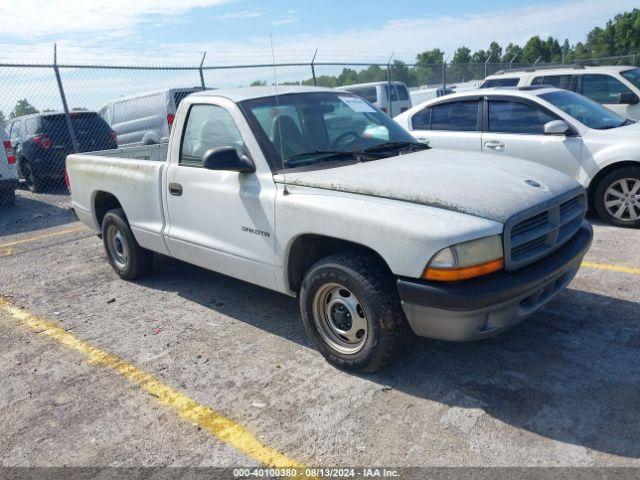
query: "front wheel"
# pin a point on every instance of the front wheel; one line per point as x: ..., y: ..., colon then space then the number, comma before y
x: 125, y: 255
x: 351, y: 310
x: 617, y: 197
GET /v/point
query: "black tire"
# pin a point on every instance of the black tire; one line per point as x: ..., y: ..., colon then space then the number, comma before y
x: 375, y: 292
x: 134, y: 261
x: 7, y: 197
x: 600, y: 197
x: 34, y: 183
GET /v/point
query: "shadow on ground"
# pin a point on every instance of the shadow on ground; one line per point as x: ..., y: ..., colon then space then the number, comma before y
x: 36, y: 211
x: 570, y: 373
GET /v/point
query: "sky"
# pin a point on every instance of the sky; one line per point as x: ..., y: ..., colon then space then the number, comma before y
x: 237, y: 32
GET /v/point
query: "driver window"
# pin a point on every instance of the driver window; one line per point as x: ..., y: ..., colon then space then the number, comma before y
x: 208, y: 126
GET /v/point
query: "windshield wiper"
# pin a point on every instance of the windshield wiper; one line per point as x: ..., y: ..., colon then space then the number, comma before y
x: 325, y: 156
x: 413, y: 146
x: 628, y: 121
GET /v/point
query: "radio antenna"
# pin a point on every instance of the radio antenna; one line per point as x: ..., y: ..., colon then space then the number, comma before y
x: 275, y: 86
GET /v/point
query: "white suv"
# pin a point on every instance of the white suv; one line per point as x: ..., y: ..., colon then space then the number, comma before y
x: 546, y: 125
x: 615, y: 87
x: 8, y: 171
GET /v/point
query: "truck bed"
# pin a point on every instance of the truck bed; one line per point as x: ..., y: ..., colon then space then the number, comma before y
x: 133, y: 176
x: 156, y: 153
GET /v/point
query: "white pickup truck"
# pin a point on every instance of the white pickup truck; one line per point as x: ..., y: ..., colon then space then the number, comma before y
x: 316, y: 193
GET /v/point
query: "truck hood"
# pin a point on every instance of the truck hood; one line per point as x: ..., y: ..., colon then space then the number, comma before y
x: 494, y: 187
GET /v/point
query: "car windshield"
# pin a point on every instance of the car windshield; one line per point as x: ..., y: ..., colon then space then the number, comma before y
x: 586, y: 111
x: 633, y: 76
x: 303, y: 129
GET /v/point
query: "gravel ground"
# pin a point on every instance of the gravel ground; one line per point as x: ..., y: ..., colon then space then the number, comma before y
x: 562, y: 389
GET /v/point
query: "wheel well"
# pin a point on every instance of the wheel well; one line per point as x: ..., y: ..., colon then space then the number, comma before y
x: 102, y: 203
x: 606, y: 171
x: 308, y: 249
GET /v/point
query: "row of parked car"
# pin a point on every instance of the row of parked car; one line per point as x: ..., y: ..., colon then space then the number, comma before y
x: 576, y: 119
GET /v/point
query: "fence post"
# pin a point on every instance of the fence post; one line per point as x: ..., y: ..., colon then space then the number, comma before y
x: 389, y: 85
x: 485, y: 65
x: 444, y: 76
x: 201, y: 72
x: 313, y: 69
x: 65, y: 107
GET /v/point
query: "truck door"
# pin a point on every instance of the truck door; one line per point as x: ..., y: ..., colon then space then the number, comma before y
x: 220, y: 220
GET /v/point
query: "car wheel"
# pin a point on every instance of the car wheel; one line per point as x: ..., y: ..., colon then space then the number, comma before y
x: 125, y: 255
x: 7, y: 197
x: 351, y: 310
x: 617, y: 197
x: 34, y: 183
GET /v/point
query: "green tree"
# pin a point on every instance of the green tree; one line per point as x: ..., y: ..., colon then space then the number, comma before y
x: 348, y: 76
x: 23, y: 107
x: 258, y: 83
x: 512, y: 51
x: 495, y: 52
x: 533, y: 50
x: 3, y: 119
x: 428, y: 70
x: 430, y: 57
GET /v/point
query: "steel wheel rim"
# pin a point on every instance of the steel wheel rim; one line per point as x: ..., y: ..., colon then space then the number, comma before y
x: 340, y: 318
x: 117, y: 246
x: 622, y: 199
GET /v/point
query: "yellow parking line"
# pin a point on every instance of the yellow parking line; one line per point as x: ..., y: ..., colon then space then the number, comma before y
x: 7, y: 248
x: 41, y: 237
x: 217, y: 425
x: 613, y: 268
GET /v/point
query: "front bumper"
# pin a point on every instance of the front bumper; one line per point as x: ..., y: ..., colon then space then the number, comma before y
x: 481, y: 307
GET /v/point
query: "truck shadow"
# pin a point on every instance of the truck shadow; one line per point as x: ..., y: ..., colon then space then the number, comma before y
x: 35, y: 212
x: 571, y: 373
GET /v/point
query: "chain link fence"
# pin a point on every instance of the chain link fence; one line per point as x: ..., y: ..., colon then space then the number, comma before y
x: 51, y: 110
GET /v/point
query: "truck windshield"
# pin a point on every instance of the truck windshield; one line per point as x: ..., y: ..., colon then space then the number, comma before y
x: 586, y: 111
x: 303, y: 129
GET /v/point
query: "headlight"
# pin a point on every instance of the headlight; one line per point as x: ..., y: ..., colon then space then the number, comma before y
x: 466, y: 260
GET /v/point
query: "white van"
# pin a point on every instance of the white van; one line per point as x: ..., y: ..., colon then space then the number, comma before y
x: 146, y: 118
x: 616, y: 87
x: 377, y: 93
x: 8, y: 171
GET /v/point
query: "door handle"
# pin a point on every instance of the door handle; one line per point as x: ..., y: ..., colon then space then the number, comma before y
x: 175, y: 189
x: 494, y: 144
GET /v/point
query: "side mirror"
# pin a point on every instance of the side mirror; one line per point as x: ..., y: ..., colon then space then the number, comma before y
x: 227, y: 158
x: 628, y: 98
x: 556, y: 127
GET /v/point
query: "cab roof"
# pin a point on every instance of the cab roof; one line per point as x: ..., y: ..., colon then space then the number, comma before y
x: 559, y: 69
x: 250, y: 93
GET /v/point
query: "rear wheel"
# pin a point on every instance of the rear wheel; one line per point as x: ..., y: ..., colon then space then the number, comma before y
x: 617, y: 197
x: 125, y: 255
x: 351, y: 310
x: 34, y: 183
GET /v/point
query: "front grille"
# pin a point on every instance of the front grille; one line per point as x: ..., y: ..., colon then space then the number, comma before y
x: 534, y: 234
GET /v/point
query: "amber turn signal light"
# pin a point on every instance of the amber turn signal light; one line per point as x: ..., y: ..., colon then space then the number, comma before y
x: 462, y: 273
